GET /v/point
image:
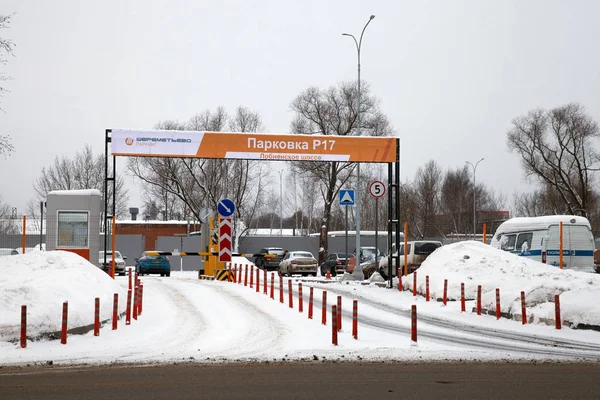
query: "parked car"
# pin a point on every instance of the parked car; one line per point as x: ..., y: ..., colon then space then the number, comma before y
x: 417, y: 252
x: 269, y: 258
x: 148, y: 264
x: 335, y: 263
x: 298, y: 262
x: 8, y: 251
x: 597, y: 261
x: 120, y: 266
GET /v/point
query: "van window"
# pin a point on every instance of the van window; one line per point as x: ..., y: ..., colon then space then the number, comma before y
x: 508, y: 242
x: 401, y: 252
x: 524, y: 237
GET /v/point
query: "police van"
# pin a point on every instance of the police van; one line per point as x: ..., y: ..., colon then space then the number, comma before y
x: 539, y: 238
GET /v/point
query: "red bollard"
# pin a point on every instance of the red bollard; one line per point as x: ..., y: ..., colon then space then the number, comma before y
x: 128, y: 312
x: 251, y: 276
x: 334, y: 328
x: 136, y: 279
x: 355, y: 319
x: 97, y: 316
x: 238, y: 273
x: 324, y: 308
x: 65, y: 315
x: 130, y: 276
x: 478, y: 299
x: 246, y: 276
x: 265, y: 284
x: 229, y: 272
x: 290, y: 294
x: 415, y: 283
x: 300, y: 305
x: 273, y: 285
x: 141, y: 299
x: 135, y: 302
x: 23, y: 326
x: 413, y: 323
x: 445, y: 298
x: 281, y: 289
x: 115, y: 313
x: 462, y: 297
x: 257, y: 280
x: 310, y: 304
x: 339, y: 313
x: 400, y: 286
x: 498, y: 311
x: 427, y: 288
x: 557, y: 311
x: 523, y: 310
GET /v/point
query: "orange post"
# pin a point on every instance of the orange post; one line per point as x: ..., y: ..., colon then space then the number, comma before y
x: 324, y: 308
x: 484, y: 233
x: 97, y: 316
x: 462, y: 297
x: 115, y: 313
x: 523, y: 310
x: 23, y: 326
x: 257, y: 280
x: 281, y: 289
x: 272, y: 285
x: 265, y: 284
x: 415, y: 283
x: 251, y: 276
x: 246, y: 276
x: 300, y: 305
x: 561, y: 245
x: 445, y: 298
x: 405, y: 248
x: 498, y: 310
x: 290, y: 294
x: 310, y: 304
x: 328, y: 275
x: 65, y: 316
x: 229, y: 272
x: 339, y: 313
x: 128, y: 312
x: 427, y: 288
x: 141, y: 299
x: 413, y: 323
x: 400, y: 286
x: 355, y: 319
x: 478, y: 299
x: 557, y: 311
x: 113, y: 237
x: 24, y: 235
x: 130, y: 277
x: 334, y: 328
x: 135, y: 302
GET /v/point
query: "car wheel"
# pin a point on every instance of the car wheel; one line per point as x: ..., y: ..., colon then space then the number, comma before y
x: 169, y: 273
x: 383, y: 274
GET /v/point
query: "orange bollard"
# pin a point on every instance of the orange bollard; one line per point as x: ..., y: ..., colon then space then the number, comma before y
x: 115, y: 313
x: 265, y: 284
x: 97, y: 316
x: 281, y: 289
x: 251, y: 276
x: 462, y: 297
x: 130, y: 276
x: 445, y: 298
x: 229, y: 272
x: 128, y: 312
x: 246, y: 276
x: 427, y: 288
x: 334, y: 328
x: 478, y: 299
x: 257, y: 280
x: 328, y: 275
x: 23, y: 326
x: 557, y: 311
x: 65, y: 315
x: 300, y: 305
x: 523, y: 310
x: 324, y: 308
x: 141, y: 300
x: 339, y: 313
x: 413, y: 323
x: 272, y: 285
x: 290, y: 294
x: 238, y: 273
x: 498, y: 311
x: 355, y: 319
x: 135, y: 302
x: 415, y: 283
x: 400, y: 286
x: 310, y: 304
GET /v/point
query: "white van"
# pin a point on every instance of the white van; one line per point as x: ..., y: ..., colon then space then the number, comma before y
x: 539, y: 239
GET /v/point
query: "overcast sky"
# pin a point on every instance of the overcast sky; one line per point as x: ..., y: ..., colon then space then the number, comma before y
x: 450, y: 75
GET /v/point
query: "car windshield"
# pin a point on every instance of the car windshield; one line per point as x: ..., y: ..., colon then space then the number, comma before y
x: 278, y: 252
x: 302, y: 254
x: 343, y: 255
x: 426, y: 248
x: 109, y: 254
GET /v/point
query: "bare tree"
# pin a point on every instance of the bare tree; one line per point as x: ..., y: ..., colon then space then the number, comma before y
x: 333, y: 112
x: 84, y: 171
x: 6, y: 49
x: 427, y: 189
x: 558, y: 149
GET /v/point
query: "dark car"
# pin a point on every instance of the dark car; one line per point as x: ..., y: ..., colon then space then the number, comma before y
x: 334, y: 263
x: 151, y: 264
x: 269, y: 258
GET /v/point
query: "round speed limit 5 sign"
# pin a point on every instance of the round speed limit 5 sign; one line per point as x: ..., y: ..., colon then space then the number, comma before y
x: 377, y: 189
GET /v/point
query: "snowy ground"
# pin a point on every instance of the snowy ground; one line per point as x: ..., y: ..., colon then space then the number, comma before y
x: 187, y: 319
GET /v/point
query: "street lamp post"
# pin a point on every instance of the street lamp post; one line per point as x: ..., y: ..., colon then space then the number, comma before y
x: 280, y: 204
x: 357, y: 195
x: 474, y: 196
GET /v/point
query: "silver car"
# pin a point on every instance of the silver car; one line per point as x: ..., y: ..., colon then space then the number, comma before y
x: 120, y: 266
x: 298, y: 262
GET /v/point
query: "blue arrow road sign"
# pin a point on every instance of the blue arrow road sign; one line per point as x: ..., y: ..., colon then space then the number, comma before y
x: 226, y: 208
x: 346, y: 197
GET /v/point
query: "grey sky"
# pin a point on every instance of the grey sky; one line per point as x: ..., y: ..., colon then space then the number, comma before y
x: 450, y: 75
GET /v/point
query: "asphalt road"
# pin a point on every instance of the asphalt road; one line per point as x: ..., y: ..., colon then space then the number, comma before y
x: 316, y: 380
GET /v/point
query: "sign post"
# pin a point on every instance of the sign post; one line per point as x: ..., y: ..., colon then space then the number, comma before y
x: 347, y: 199
x: 377, y: 190
x: 226, y: 208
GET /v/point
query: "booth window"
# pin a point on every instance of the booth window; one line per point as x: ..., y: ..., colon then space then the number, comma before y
x: 72, y: 229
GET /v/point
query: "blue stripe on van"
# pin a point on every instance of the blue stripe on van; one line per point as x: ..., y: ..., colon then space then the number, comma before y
x: 556, y: 253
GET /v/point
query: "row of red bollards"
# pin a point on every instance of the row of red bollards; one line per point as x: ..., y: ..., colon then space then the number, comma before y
x: 557, y: 317
x: 137, y: 294
x: 235, y: 276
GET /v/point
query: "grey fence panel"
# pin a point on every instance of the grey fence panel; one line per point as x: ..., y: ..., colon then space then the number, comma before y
x: 182, y: 243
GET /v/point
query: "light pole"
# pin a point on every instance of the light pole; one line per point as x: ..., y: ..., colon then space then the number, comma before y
x: 474, y: 196
x: 357, y: 192
x: 280, y: 204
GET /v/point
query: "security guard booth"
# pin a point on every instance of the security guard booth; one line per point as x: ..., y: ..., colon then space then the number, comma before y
x: 73, y: 222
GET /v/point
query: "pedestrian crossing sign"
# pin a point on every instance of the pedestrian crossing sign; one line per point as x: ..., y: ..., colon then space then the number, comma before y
x: 346, y: 197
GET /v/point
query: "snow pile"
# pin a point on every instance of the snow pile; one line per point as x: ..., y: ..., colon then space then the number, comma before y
x: 474, y: 263
x: 42, y: 281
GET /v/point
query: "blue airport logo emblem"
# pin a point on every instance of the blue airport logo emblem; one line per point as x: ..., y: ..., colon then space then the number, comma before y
x: 346, y: 197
